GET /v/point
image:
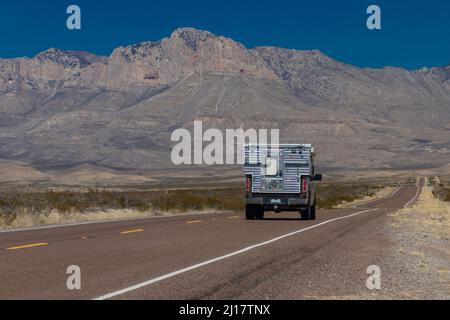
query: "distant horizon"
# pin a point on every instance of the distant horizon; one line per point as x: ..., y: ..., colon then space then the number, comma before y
x: 413, y: 35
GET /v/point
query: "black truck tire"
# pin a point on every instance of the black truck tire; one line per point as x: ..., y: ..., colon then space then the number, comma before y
x: 260, y: 213
x: 313, y: 212
x: 250, y: 212
x: 306, y: 214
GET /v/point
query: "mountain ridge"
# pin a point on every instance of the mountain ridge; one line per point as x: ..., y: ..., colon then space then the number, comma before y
x: 194, y: 30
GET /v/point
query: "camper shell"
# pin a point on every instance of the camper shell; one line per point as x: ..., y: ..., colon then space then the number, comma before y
x: 280, y: 178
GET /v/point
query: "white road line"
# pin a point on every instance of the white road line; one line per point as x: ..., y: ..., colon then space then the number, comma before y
x: 391, y: 195
x: 199, y: 265
x: 414, y: 198
x: 204, y: 263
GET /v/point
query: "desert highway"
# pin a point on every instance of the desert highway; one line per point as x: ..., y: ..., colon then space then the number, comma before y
x: 207, y: 256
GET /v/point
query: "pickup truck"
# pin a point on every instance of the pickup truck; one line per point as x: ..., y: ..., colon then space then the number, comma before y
x: 280, y: 178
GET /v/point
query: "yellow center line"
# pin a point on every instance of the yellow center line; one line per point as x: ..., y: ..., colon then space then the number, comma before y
x: 28, y: 246
x: 234, y: 217
x: 194, y: 221
x: 132, y: 231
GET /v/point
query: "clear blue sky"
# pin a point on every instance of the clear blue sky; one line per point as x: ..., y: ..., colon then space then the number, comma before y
x: 414, y: 33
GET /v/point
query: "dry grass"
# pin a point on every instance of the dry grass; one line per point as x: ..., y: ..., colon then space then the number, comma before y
x: 381, y: 193
x: 27, y: 220
x: 30, y: 208
x: 441, y: 188
x: 442, y: 193
x: 24, y: 207
x: 335, y: 195
x: 430, y: 213
x: 348, y: 193
x: 421, y: 233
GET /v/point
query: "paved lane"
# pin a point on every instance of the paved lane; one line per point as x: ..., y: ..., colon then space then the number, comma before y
x: 114, y: 256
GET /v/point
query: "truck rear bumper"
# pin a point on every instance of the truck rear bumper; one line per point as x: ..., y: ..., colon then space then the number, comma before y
x: 277, y: 203
x: 297, y: 202
x: 258, y: 201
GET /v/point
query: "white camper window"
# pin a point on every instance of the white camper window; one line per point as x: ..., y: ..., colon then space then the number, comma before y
x: 271, y: 166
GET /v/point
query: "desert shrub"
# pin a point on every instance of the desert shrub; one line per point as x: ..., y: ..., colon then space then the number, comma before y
x: 66, y: 202
x: 442, y: 193
x: 331, y: 195
x: 18, y: 201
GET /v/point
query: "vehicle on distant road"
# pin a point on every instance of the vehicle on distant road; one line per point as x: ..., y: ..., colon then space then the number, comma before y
x: 280, y: 178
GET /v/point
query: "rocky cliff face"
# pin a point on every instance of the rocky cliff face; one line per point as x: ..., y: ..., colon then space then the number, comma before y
x: 52, y: 70
x: 187, y: 51
x: 67, y: 108
x: 317, y: 78
x: 322, y: 80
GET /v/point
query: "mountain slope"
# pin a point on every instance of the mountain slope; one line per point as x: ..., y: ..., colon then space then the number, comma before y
x: 65, y: 109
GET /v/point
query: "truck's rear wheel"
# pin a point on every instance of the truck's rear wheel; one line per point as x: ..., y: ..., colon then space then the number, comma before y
x: 250, y: 212
x: 313, y: 212
x: 307, y: 213
x: 253, y: 212
x: 259, y: 213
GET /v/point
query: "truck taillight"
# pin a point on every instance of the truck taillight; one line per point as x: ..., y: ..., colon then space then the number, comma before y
x: 304, y: 185
x: 248, y: 183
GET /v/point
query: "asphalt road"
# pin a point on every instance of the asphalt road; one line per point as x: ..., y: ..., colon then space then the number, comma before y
x: 210, y: 256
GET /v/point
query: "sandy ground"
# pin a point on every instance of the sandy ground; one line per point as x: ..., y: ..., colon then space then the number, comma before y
x: 411, y: 247
x: 421, y: 248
